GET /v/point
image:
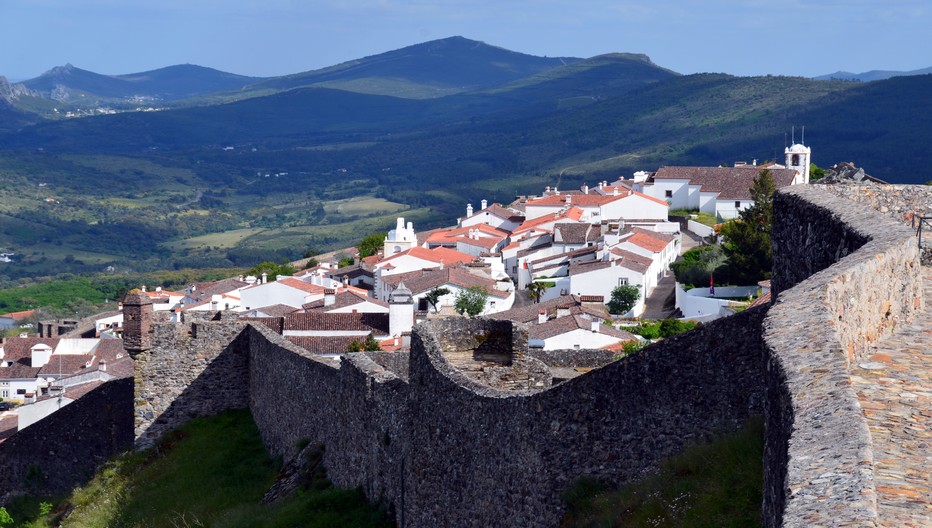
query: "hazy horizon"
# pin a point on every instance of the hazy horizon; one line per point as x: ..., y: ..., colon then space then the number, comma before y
x: 278, y: 37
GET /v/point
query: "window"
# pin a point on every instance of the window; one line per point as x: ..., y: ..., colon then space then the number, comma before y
x: 622, y: 281
x: 20, y: 391
x: 668, y: 193
x: 737, y: 205
x: 795, y: 160
x: 5, y: 394
x: 514, y: 269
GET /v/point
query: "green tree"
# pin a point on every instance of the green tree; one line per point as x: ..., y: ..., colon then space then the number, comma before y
x: 471, y: 301
x: 434, y: 295
x: 5, y: 518
x: 623, y: 299
x: 369, y: 345
x: 272, y: 270
x: 747, y: 238
x: 536, y: 290
x: 815, y: 172
x: 371, y: 244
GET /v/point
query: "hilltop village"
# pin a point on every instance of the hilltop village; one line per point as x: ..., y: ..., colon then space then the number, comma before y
x: 550, y: 261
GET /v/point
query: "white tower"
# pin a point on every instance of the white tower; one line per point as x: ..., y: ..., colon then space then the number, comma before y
x: 400, y: 239
x: 798, y: 157
x: 400, y: 310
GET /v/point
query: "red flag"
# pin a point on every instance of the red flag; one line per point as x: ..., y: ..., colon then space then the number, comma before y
x: 711, y: 285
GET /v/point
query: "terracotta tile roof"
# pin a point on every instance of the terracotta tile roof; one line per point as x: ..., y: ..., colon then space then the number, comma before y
x: 376, y: 323
x: 18, y: 350
x: 573, y: 213
x: 501, y: 212
x: 576, y: 200
x: 19, y: 316
x: 732, y: 183
x: 276, y: 324
x: 440, y: 235
x: 574, y: 233
x: 9, y: 424
x: 578, y: 268
x: 342, y: 300
x: 631, y: 260
x: 441, y: 254
x: 207, y: 289
x: 528, y: 314
x: 647, y: 242
x: 325, y: 344
x: 301, y: 285
x: 422, y: 281
x: 569, y: 323
x: 275, y: 310
x: 762, y: 300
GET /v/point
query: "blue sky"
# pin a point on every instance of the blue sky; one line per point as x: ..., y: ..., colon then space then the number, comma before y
x: 276, y: 37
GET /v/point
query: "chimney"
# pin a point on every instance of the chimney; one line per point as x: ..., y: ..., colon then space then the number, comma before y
x: 41, y: 354
x: 158, y: 289
x: 143, y: 288
x: 485, y: 203
x: 569, y: 199
x: 585, y: 189
x: 547, y: 189
x: 541, y: 317
x: 346, y: 280
x: 562, y: 311
x: 265, y: 277
x: 595, y: 326
x: 754, y: 162
x: 615, y: 191
x: 330, y: 297
x: 103, y: 365
x: 397, y: 340
x: 441, y: 263
x: 468, y: 210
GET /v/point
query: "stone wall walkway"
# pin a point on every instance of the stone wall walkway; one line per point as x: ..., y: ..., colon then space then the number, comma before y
x: 894, y: 387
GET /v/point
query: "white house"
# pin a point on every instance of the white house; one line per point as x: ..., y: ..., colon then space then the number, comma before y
x: 622, y: 203
x: 721, y: 191
x: 455, y: 280
x: 599, y: 278
x: 575, y: 332
x: 492, y: 215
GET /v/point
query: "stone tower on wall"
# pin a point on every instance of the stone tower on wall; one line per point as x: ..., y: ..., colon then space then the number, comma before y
x: 799, y: 157
x: 400, y: 310
x: 137, y: 323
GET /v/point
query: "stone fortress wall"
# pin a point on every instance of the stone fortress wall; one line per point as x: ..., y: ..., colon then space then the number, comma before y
x: 442, y: 449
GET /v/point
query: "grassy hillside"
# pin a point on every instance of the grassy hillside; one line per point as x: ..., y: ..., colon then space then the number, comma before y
x: 211, y: 472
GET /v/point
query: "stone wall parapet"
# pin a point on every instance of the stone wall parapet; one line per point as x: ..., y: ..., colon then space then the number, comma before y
x: 844, y: 277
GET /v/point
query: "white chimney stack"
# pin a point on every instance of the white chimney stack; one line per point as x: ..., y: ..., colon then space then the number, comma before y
x: 265, y: 277
x: 330, y: 297
x: 585, y: 189
x: 541, y: 317
x: 562, y: 312
x: 468, y: 210
x: 569, y: 199
x: 595, y: 326
x: 485, y: 203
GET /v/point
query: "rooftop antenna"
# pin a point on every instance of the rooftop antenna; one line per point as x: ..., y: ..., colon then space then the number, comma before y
x: 794, y: 134
x: 803, y: 140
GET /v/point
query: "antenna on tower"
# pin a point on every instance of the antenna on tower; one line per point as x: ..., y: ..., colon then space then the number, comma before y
x: 803, y: 140
x: 794, y: 134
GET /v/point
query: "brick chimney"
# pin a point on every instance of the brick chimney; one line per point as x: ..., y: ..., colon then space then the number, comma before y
x: 137, y: 323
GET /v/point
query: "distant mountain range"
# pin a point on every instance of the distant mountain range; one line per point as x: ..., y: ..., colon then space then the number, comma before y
x: 873, y: 75
x: 429, y: 126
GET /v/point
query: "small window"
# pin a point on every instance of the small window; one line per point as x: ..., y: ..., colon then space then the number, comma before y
x: 514, y: 269
x: 622, y: 281
x: 20, y: 391
x: 795, y: 160
x: 5, y: 394
x: 738, y: 205
x: 668, y: 193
